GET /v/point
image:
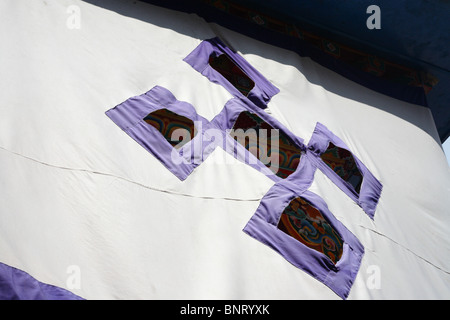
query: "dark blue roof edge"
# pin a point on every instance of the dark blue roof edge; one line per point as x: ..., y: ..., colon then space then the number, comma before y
x: 410, y: 94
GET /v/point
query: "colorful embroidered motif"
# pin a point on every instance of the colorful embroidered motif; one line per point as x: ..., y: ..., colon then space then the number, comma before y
x: 302, y: 221
x: 232, y: 72
x: 343, y: 164
x: 261, y: 145
x: 172, y: 126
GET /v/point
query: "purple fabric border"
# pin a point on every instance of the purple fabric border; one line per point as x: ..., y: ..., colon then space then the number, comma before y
x: 129, y: 117
x: 16, y: 284
x: 263, y: 227
x: 224, y: 121
x: 371, y: 188
x: 263, y: 90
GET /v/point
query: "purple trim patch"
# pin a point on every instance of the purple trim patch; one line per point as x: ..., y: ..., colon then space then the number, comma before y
x: 247, y: 83
x: 131, y: 117
x: 262, y: 226
x: 225, y: 121
x: 370, y: 189
x: 16, y: 284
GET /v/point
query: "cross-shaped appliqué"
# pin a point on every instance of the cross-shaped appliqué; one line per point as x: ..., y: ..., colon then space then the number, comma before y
x: 292, y: 220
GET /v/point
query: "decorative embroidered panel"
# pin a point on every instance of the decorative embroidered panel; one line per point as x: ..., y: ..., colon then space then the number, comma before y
x: 342, y: 162
x: 261, y: 146
x: 161, y: 124
x: 221, y: 65
x: 168, y: 123
x: 304, y: 222
x: 231, y: 71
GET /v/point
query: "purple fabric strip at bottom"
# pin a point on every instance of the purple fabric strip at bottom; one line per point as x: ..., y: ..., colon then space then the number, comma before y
x: 263, y: 90
x: 16, y: 284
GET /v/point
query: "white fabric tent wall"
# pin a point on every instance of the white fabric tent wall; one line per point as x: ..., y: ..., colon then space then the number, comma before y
x: 77, y: 191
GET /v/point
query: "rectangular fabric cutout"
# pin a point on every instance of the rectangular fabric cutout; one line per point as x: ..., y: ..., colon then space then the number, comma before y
x: 231, y: 71
x: 305, y: 223
x: 341, y: 161
x: 213, y: 59
x: 169, y: 129
x: 298, y: 225
x: 334, y: 158
x: 172, y: 126
x: 247, y: 135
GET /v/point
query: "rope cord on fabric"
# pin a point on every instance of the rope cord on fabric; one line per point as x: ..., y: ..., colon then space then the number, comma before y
x: 128, y: 180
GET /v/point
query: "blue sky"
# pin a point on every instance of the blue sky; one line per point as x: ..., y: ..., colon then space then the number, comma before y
x: 447, y: 149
